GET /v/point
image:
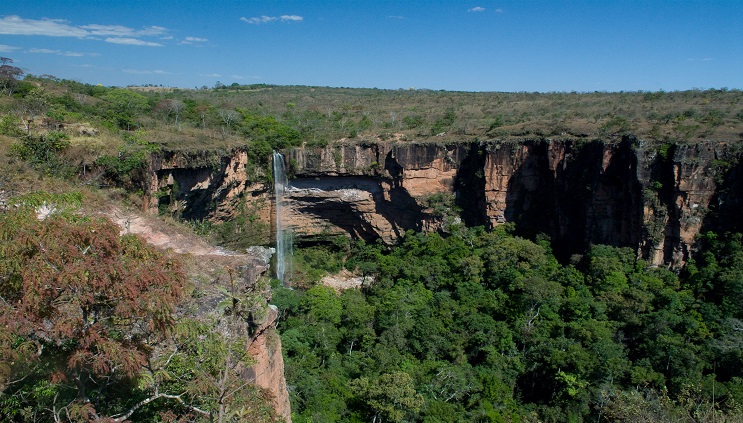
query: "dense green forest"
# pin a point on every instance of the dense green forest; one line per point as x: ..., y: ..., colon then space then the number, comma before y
x: 465, y: 326
x: 489, y: 327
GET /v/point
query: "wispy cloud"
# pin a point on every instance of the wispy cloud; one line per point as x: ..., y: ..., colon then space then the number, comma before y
x: 395, y: 17
x: 245, y: 77
x: 60, y: 52
x: 259, y: 20
x: 266, y: 19
x: 7, y: 49
x: 119, y: 34
x: 15, y: 25
x: 43, y: 51
x: 212, y: 75
x: 131, y: 41
x: 123, y: 31
x: 476, y: 9
x: 499, y: 10
x: 194, y: 40
x: 146, y: 72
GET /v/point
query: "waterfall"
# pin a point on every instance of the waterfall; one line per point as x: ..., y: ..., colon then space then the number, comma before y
x: 284, y: 238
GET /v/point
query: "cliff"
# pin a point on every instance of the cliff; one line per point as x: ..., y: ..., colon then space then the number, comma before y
x: 210, y: 263
x: 654, y: 198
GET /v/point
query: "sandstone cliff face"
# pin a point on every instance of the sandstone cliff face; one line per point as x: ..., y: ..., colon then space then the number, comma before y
x: 652, y: 198
x: 208, y: 184
x: 268, y: 370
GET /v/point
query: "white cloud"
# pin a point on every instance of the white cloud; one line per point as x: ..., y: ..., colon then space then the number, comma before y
x: 245, y: 77
x: 132, y: 42
x: 44, y: 51
x: 267, y: 19
x: 498, y: 10
x: 77, y: 54
x: 395, y: 17
x: 193, y: 40
x: 705, y: 59
x: 212, y: 75
x: 60, y: 52
x: 476, y: 9
x: 15, y: 25
x: 146, y: 72
x: 7, y: 49
x: 123, y: 31
x: 259, y: 20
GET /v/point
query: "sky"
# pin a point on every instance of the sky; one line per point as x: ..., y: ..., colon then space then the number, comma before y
x: 478, y: 45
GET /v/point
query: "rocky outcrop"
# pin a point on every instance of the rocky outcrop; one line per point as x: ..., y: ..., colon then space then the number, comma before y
x: 204, y: 184
x: 268, y: 370
x: 370, y: 191
x: 654, y: 198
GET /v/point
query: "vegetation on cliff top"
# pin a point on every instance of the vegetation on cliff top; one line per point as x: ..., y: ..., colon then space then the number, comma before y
x: 281, y: 116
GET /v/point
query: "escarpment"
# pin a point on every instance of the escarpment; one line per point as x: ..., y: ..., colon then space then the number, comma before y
x: 649, y: 196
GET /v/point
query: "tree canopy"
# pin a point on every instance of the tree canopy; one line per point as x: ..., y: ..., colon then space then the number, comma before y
x: 489, y: 327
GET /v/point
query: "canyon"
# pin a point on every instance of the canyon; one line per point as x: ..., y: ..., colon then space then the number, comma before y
x: 654, y: 198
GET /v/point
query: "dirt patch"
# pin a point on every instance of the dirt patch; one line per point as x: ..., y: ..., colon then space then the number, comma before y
x: 344, y: 280
x: 164, y: 235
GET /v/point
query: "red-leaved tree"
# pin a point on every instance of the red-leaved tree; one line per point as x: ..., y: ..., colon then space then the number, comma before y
x: 79, y: 307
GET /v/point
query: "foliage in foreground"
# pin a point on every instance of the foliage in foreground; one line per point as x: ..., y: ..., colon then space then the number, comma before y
x: 490, y: 327
x: 88, y: 329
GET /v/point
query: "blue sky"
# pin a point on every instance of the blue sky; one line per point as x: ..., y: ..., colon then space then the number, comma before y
x: 477, y: 45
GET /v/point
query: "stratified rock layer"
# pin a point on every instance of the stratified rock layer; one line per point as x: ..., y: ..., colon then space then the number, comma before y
x: 654, y: 198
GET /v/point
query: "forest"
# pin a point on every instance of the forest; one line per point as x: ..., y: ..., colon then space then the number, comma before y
x: 489, y: 327
x: 464, y: 325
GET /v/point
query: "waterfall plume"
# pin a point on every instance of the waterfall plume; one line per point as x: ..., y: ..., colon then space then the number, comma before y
x: 284, y: 238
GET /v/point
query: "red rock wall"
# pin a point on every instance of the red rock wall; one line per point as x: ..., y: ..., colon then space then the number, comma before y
x: 626, y: 192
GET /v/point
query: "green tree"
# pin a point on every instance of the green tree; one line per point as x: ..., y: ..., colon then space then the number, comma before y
x: 391, y: 396
x: 124, y: 106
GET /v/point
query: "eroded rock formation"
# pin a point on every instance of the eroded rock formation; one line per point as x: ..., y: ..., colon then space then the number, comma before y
x: 268, y: 370
x: 654, y: 198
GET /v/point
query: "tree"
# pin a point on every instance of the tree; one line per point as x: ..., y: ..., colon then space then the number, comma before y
x: 9, y: 75
x: 229, y: 117
x: 124, y: 105
x: 80, y: 308
x: 203, y: 370
x: 170, y: 106
x: 391, y: 395
x: 201, y: 110
x: 35, y: 103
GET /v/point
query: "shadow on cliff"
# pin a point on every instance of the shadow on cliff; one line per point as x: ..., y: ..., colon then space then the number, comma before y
x: 342, y: 215
x: 194, y: 203
x: 589, y: 198
x: 401, y: 210
x: 469, y: 186
x: 726, y: 204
